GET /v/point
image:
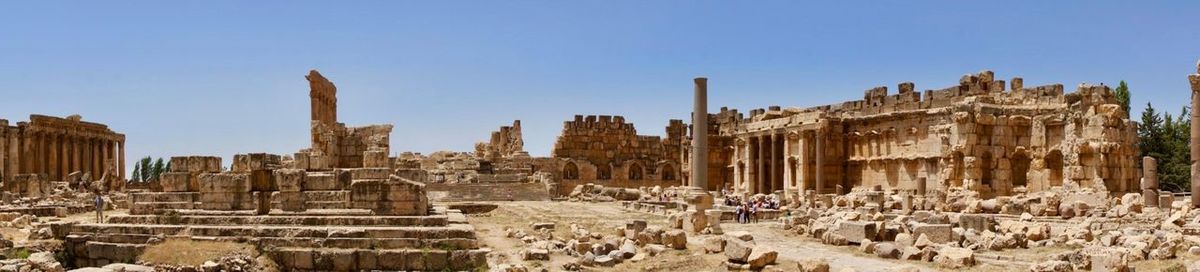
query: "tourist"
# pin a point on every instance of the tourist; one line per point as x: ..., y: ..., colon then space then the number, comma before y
x: 754, y: 210
x: 99, y: 206
x: 737, y: 211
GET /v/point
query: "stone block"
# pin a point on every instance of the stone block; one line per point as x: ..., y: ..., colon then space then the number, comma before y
x: 855, y: 231
x: 978, y: 222
x: 738, y: 251
x: 175, y: 181
x: 325, y: 181
x: 375, y: 159
x: 289, y: 180
x: 224, y: 182
x: 937, y: 233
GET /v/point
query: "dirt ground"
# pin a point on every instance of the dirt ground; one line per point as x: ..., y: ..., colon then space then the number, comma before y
x: 605, y: 217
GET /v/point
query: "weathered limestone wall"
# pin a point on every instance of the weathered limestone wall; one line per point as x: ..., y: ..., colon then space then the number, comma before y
x: 604, y: 148
x: 975, y: 135
x: 56, y: 147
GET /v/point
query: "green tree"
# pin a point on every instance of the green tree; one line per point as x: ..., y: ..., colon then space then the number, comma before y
x: 145, y: 167
x: 1122, y: 94
x: 137, y: 173
x: 158, y: 168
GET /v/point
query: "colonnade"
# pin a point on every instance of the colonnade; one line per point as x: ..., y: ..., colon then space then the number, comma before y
x: 57, y: 154
x: 777, y: 160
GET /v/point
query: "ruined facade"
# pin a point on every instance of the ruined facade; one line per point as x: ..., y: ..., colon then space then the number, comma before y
x: 55, y: 147
x: 607, y: 150
x: 975, y: 135
x: 504, y: 144
x: 334, y: 145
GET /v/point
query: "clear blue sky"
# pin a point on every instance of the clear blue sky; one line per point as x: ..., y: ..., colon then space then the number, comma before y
x: 226, y: 77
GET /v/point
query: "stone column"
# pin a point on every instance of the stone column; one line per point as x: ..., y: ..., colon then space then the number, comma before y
x: 921, y: 186
x: 700, y: 134
x: 76, y: 164
x: 752, y: 164
x: 802, y: 168
x: 1194, y: 79
x: 121, y: 159
x: 819, y: 139
x: 64, y: 155
x: 775, y: 177
x: 763, y: 171
x: 87, y: 156
x: 788, y: 181
x: 52, y: 156
x: 14, y: 159
x: 1150, y: 181
x: 3, y: 154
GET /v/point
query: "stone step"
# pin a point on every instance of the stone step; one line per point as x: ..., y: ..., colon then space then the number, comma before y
x: 291, y: 220
x: 325, y: 259
x: 310, y: 242
x: 164, y: 197
x: 442, y: 232
x: 318, y: 205
x: 327, y: 196
x: 156, y: 207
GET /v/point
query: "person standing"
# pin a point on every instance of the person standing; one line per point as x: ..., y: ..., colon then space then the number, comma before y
x: 99, y: 206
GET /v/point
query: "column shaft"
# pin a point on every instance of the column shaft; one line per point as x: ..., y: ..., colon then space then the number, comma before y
x: 700, y: 134
x: 819, y: 140
x: 121, y: 159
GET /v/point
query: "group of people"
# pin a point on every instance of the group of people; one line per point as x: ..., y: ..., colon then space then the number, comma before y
x: 747, y: 210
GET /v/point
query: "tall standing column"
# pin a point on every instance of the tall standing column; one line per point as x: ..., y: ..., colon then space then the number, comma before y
x: 803, y: 167
x: 52, y: 157
x: 775, y: 177
x: 1194, y: 79
x: 121, y: 159
x: 700, y: 133
x: 3, y: 154
x: 751, y: 165
x: 14, y: 147
x: 819, y: 169
x: 789, y: 180
x: 64, y: 158
x: 76, y: 153
x: 761, y: 183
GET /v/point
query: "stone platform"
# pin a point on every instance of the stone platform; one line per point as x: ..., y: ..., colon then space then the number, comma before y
x: 341, y: 240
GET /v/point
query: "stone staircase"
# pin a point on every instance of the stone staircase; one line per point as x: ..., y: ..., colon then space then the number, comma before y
x: 324, y: 240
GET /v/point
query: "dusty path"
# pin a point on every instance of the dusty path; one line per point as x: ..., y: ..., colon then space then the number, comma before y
x: 603, y: 217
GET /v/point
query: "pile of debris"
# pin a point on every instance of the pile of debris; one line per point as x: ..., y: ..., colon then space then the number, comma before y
x: 598, y: 193
x: 633, y: 243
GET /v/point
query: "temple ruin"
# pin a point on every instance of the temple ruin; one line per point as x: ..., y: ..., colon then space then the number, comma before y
x: 975, y: 135
x: 53, y: 148
x: 336, y: 206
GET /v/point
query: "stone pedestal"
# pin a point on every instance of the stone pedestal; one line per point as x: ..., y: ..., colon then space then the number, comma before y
x: 699, y: 202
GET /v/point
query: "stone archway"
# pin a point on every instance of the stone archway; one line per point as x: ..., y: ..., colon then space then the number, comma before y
x: 635, y: 171
x: 570, y: 171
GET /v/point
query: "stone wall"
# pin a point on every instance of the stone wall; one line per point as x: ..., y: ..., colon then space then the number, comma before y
x: 601, y: 148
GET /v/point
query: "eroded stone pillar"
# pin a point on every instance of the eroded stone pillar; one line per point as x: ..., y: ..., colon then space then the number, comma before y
x: 922, y: 187
x: 1194, y: 79
x: 52, y: 155
x: 14, y: 147
x: 1150, y: 181
x: 775, y: 176
x: 802, y: 167
x: 763, y: 172
x: 819, y: 170
x: 3, y: 155
x: 121, y: 159
x: 76, y: 165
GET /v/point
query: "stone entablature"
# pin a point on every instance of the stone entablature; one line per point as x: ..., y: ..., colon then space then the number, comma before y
x: 975, y: 135
x: 56, y: 147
